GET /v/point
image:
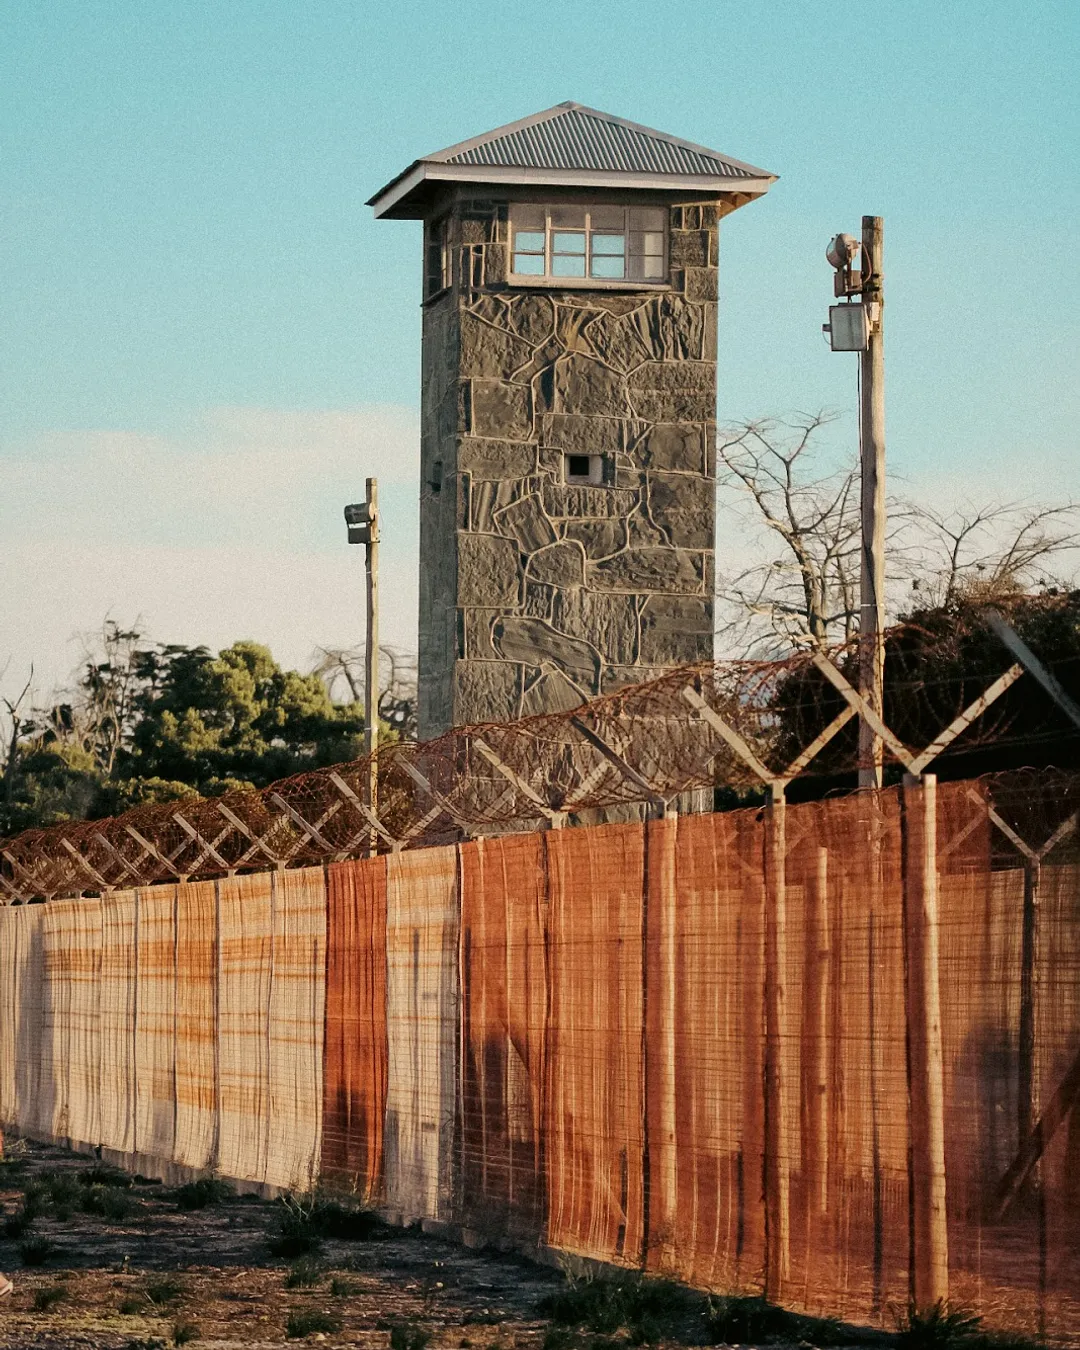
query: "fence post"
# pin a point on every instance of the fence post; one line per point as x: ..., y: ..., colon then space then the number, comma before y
x: 777, y: 1228
x: 929, y: 1257
x: 1028, y: 1104
x: 815, y: 1065
x: 661, y: 979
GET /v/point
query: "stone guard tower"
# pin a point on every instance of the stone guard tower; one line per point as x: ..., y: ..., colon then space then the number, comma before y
x: 568, y: 409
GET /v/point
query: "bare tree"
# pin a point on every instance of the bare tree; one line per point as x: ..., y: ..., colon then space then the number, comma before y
x: 806, y: 589
x: 803, y: 588
x: 342, y: 669
x: 13, y: 727
x: 990, y: 552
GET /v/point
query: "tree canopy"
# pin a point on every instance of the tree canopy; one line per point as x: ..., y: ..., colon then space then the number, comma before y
x: 153, y: 722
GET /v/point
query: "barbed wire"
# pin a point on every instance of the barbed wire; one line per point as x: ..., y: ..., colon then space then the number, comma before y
x: 669, y: 742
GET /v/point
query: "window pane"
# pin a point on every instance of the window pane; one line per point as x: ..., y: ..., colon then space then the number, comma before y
x: 530, y: 241
x: 608, y: 218
x: 562, y: 241
x: 568, y: 265
x: 528, y: 217
x: 568, y: 217
x: 652, y: 268
x: 612, y: 268
x: 529, y: 264
x: 647, y: 218
x: 609, y: 244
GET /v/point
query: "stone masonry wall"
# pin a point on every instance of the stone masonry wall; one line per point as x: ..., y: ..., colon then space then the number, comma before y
x: 536, y: 594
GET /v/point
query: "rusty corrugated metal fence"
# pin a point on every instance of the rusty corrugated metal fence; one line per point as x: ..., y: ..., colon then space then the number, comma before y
x: 621, y: 1041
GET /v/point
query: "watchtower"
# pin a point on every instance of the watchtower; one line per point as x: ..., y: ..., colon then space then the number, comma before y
x: 568, y: 408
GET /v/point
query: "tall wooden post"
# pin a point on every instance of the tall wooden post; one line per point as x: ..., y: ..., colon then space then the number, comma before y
x: 815, y: 1056
x: 371, y: 663
x: 872, y: 462
x: 1028, y: 1071
x: 661, y: 984
x: 777, y: 1162
x: 926, y: 1088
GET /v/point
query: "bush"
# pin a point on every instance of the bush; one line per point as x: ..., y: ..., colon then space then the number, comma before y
x: 163, y: 1291
x: 104, y: 1174
x: 47, y: 1299
x: 62, y: 1189
x: 202, y: 1194
x: 302, y: 1324
x: 17, y: 1225
x: 305, y: 1273
x: 343, y: 1288
x: 184, y: 1332
x: 605, y: 1305
x: 36, y: 1251
x: 132, y: 1306
x: 110, y: 1202
x: 304, y: 1222
x: 408, y: 1336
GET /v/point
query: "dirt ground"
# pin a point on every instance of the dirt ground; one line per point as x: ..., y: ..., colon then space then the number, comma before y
x: 228, y: 1290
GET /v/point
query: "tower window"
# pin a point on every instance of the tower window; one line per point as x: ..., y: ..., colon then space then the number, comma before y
x: 583, y: 468
x: 437, y: 258
x: 589, y: 243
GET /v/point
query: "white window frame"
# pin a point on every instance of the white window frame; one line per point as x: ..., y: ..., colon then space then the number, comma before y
x: 631, y: 226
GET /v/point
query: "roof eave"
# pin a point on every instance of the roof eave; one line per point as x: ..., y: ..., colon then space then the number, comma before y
x: 404, y: 196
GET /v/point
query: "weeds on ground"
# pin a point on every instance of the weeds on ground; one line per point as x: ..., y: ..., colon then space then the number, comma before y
x: 183, y: 1332
x: 343, y: 1288
x: 150, y: 1343
x: 752, y: 1319
x: 203, y: 1194
x: 304, y: 1221
x: 164, y: 1291
x: 132, y: 1306
x: 104, y: 1174
x: 408, y: 1336
x: 646, y: 1308
x: 302, y: 1324
x: 17, y: 1225
x: 305, y: 1273
x: 943, y: 1327
x: 47, y: 1299
x: 62, y: 1190
x: 110, y: 1202
x: 36, y: 1251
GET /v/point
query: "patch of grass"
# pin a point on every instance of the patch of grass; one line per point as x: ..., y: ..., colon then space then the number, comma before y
x: 341, y: 1288
x: 305, y: 1273
x: 303, y: 1222
x: 47, y: 1299
x: 183, y: 1332
x: 408, y: 1336
x: 17, y: 1225
x: 36, y: 1251
x: 203, y: 1194
x: 110, y: 1202
x: 301, y: 1324
x: 132, y: 1306
x: 645, y: 1307
x: 104, y: 1174
x: 62, y: 1188
x: 944, y: 1327
x: 164, y: 1291
x: 751, y: 1319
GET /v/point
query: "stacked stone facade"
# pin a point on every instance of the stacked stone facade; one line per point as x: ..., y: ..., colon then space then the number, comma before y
x: 535, y: 593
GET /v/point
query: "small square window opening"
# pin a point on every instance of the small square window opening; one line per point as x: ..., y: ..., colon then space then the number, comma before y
x: 584, y: 469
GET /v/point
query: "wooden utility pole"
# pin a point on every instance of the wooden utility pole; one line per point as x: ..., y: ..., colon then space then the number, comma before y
x: 872, y: 459
x: 371, y: 655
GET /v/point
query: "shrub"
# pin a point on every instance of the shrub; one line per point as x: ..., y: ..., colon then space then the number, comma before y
x: 305, y: 1273
x: 408, y: 1336
x: 343, y: 1288
x: 47, y: 1299
x: 202, y: 1194
x: 104, y: 1174
x: 302, y: 1324
x: 62, y: 1189
x: 36, y: 1251
x: 111, y: 1202
x: 17, y: 1225
x: 163, y: 1291
x: 132, y: 1306
x: 184, y: 1332
x: 605, y: 1305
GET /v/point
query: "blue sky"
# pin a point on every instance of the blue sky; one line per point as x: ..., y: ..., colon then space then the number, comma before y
x: 206, y: 342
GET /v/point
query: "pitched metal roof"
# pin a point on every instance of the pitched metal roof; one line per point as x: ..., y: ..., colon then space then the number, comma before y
x: 571, y: 145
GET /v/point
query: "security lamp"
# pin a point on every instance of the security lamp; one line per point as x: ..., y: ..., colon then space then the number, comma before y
x: 358, y: 519
x: 842, y: 251
x: 848, y: 328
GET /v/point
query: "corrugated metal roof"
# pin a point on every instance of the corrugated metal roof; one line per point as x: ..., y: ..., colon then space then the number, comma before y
x: 570, y: 136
